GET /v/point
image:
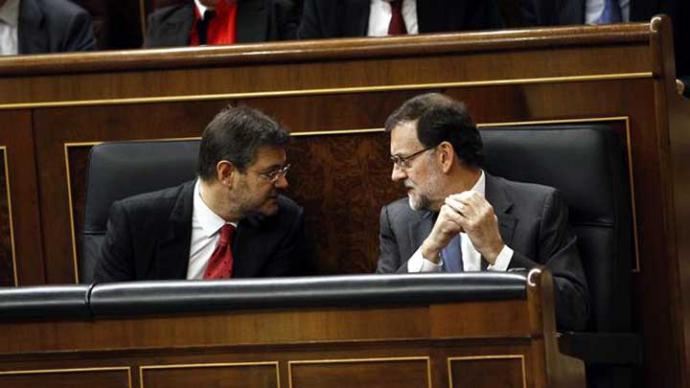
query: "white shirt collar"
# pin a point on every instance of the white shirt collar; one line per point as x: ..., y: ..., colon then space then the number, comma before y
x: 480, y: 185
x: 9, y: 12
x: 201, y: 8
x: 210, y: 222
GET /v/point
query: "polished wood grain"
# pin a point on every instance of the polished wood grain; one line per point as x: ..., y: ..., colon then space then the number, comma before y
x: 487, y: 372
x: 231, y: 375
x: 6, y: 257
x: 412, y: 373
x: 490, y: 319
x: 66, y: 378
x: 332, y: 50
x: 16, y: 134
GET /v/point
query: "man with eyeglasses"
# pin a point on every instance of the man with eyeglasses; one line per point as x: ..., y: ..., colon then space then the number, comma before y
x: 231, y: 222
x: 456, y: 217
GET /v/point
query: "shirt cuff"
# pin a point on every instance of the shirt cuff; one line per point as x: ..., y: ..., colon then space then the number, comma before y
x: 502, y: 260
x: 417, y: 263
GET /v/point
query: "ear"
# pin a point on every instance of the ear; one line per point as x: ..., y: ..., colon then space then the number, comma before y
x: 225, y: 172
x: 446, y: 156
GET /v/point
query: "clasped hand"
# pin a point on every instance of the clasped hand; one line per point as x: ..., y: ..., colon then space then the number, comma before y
x: 467, y: 212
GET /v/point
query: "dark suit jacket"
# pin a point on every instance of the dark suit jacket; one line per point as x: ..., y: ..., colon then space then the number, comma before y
x: 552, y: 12
x: 350, y: 18
x: 149, y: 238
x: 51, y: 26
x: 533, y: 221
x: 257, y: 21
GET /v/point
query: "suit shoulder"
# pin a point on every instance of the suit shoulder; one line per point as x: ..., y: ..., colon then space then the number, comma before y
x: 527, y: 188
x: 400, y: 204
x: 400, y: 212
x: 532, y: 197
x: 164, y: 13
x: 60, y: 9
x: 153, y: 201
x: 288, y: 207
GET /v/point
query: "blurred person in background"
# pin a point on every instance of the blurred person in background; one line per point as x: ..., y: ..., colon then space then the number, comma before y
x: 203, y: 22
x: 44, y: 26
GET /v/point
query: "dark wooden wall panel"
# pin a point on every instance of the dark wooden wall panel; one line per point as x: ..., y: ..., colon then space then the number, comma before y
x: 6, y: 243
x: 17, y: 137
x: 487, y: 372
x: 342, y: 182
x: 66, y: 379
x: 413, y: 373
x: 211, y: 375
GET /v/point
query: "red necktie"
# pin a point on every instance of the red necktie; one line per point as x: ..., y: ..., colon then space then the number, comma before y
x: 220, y: 264
x: 397, y: 25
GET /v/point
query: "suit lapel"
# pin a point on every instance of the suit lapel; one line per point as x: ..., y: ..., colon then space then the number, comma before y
x: 172, y: 253
x: 251, y: 24
x: 32, y: 37
x: 425, y: 14
x: 502, y: 204
x: 420, y: 227
x: 175, y: 30
x: 355, y: 17
x: 246, y: 254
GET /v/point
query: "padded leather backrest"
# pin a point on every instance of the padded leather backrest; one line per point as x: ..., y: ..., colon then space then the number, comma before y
x: 121, y: 169
x: 588, y: 165
x: 170, y: 297
x: 45, y: 302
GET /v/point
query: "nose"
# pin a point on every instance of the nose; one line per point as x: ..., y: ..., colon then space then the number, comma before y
x: 282, y: 182
x: 398, y: 173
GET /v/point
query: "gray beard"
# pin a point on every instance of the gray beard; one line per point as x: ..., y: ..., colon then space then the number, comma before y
x: 422, y: 203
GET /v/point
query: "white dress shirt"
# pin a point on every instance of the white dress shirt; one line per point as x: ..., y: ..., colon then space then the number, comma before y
x: 9, y: 21
x: 201, y: 8
x: 205, y: 235
x: 380, y: 17
x: 594, y: 9
x: 471, y: 258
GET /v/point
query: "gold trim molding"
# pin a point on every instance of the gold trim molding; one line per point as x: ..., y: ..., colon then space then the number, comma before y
x: 521, y: 357
x: 330, y: 91
x: 71, y: 370
x: 142, y: 17
x: 70, y: 205
x: 144, y: 368
x: 361, y: 360
x: 9, y: 214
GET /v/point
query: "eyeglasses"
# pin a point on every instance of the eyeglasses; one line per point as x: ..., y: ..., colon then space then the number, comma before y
x: 404, y: 161
x: 274, y: 175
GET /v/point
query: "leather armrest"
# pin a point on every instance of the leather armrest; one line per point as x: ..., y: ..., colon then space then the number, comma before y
x: 163, y: 297
x: 44, y: 302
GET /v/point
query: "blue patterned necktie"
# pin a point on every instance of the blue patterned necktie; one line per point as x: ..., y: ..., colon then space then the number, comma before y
x: 611, y: 13
x: 452, y: 256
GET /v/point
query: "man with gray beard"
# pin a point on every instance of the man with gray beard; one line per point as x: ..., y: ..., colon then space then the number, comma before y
x: 457, y: 217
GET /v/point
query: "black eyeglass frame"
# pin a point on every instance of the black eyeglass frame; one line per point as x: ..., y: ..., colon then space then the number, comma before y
x: 404, y: 161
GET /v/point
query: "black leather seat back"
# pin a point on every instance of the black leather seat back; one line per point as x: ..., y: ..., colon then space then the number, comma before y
x: 45, y: 302
x: 588, y: 165
x: 180, y: 297
x: 122, y: 169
